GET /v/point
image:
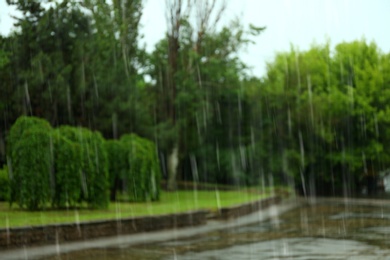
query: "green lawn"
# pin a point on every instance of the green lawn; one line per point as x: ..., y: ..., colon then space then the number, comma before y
x: 170, y: 202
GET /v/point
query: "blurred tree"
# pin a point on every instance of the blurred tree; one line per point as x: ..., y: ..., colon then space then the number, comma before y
x: 194, y: 67
x: 77, y: 63
x: 114, y: 65
x: 321, y: 116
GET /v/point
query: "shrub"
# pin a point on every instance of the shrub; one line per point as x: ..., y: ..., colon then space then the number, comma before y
x: 93, y: 164
x: 4, y: 184
x: 31, y: 179
x: 21, y: 125
x: 66, y: 166
x: 143, y: 176
x: 118, y: 165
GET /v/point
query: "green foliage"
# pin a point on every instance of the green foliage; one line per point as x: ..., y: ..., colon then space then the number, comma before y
x: 322, y: 114
x: 143, y: 176
x: 70, y: 165
x: 66, y: 166
x: 4, y: 60
x: 23, y: 124
x: 32, y: 182
x: 319, y: 112
x: 94, y: 164
x: 4, y: 184
x: 118, y: 165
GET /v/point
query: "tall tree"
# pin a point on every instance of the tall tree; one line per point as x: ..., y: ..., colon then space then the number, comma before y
x: 321, y: 113
x: 195, y: 61
x: 114, y: 64
x: 79, y: 63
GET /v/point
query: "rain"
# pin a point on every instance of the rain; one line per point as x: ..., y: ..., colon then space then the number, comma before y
x: 200, y: 129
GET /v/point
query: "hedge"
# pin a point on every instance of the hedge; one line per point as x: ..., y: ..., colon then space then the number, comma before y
x: 69, y: 165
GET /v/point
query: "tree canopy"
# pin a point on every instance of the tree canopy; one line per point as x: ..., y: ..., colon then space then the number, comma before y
x: 318, y: 116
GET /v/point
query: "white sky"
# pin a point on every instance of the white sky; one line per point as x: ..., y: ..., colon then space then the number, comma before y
x: 297, y: 22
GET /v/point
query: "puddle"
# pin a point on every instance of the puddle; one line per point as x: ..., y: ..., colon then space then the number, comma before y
x: 374, y: 215
x: 293, y: 248
x: 310, y: 232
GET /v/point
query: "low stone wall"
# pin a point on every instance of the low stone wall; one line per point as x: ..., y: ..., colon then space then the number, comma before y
x: 247, y: 208
x: 60, y: 233
x: 52, y: 234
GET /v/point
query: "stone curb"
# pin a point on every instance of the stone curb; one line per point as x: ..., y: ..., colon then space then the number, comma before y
x: 59, y: 233
x: 247, y: 208
x: 69, y: 232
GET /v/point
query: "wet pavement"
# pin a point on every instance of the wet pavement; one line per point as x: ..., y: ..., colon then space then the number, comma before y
x: 107, y: 248
x: 320, y: 229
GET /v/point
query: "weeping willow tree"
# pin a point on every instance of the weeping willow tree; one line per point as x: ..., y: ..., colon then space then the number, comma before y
x: 143, y: 175
x: 66, y: 168
x: 118, y: 165
x: 134, y: 168
x: 92, y: 164
x: 29, y: 146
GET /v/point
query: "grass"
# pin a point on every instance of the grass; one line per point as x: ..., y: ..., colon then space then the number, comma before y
x: 170, y: 202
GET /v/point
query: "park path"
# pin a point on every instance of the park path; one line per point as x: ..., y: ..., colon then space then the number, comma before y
x: 37, y: 252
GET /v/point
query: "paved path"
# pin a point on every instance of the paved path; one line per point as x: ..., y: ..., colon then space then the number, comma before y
x: 348, y: 201
x: 150, y: 237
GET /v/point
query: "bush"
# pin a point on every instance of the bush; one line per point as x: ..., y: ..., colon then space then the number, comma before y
x: 4, y: 185
x: 66, y: 166
x: 23, y: 124
x: 118, y: 165
x: 93, y: 164
x: 143, y: 176
x: 232, y: 166
x: 31, y: 179
x: 70, y: 165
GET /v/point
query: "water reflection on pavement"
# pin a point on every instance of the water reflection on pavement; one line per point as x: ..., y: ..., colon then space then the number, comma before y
x: 293, y: 248
x: 332, y: 231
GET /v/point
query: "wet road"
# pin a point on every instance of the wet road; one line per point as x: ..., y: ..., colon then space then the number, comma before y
x: 329, y: 229
x: 107, y: 248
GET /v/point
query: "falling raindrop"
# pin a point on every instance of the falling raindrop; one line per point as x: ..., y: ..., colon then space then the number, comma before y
x: 58, y: 247
x: 310, y: 99
x: 69, y: 103
x: 27, y: 95
x: 302, y: 149
x: 217, y: 198
x: 298, y: 71
x: 8, y: 230
x: 77, y: 221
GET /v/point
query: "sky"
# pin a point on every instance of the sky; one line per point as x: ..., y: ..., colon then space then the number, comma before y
x: 300, y: 23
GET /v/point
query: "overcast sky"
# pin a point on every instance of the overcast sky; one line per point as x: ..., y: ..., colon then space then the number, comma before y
x: 297, y: 22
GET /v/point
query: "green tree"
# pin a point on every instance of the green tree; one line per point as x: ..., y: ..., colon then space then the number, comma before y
x: 118, y: 166
x: 192, y: 68
x: 66, y: 167
x: 31, y: 180
x: 92, y: 163
x: 142, y: 177
x: 320, y: 115
x: 113, y: 63
x: 21, y: 125
x: 4, y: 184
x: 76, y: 67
